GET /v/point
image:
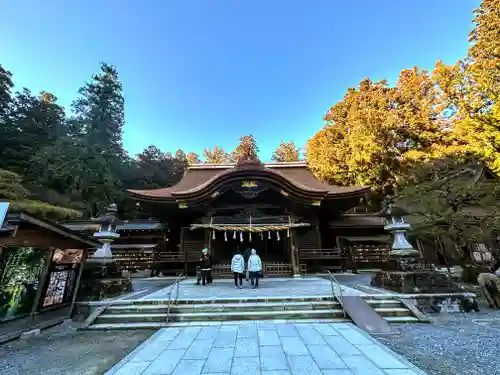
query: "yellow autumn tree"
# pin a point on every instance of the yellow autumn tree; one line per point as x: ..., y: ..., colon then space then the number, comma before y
x: 286, y: 152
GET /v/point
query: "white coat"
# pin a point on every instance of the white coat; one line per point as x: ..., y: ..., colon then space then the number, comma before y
x: 238, y: 264
x: 254, y: 263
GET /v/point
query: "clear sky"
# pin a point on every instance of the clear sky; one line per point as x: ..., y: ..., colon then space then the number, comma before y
x: 199, y: 73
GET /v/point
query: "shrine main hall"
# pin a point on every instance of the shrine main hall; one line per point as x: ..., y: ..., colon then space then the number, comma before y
x: 296, y: 223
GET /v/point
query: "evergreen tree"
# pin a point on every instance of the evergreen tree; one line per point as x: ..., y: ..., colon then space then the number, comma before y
x: 5, y: 91
x: 32, y: 124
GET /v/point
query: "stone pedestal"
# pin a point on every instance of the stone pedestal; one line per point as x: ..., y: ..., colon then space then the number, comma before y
x: 418, y: 281
x: 101, y: 278
x: 99, y: 289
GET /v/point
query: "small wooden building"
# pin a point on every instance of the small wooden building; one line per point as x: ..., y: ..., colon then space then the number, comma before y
x: 141, y: 244
x: 40, y: 268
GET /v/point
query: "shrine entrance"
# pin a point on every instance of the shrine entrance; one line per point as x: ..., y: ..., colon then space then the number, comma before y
x: 270, y: 246
x: 271, y: 236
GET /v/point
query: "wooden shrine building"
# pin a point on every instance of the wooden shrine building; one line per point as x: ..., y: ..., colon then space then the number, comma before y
x: 296, y: 223
x: 41, y: 264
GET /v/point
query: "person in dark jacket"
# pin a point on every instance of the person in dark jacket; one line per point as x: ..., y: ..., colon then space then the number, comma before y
x: 205, y: 267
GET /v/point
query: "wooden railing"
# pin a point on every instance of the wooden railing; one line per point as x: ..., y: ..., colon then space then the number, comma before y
x: 321, y: 254
x: 370, y: 256
x: 269, y: 269
x: 221, y: 270
x: 277, y: 269
x: 169, y: 256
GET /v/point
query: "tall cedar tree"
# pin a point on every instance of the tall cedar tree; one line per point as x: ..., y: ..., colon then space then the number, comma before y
x: 216, y: 156
x: 287, y: 151
x: 7, y: 132
x: 247, y: 149
x: 33, y: 122
x: 87, y: 161
x: 5, y: 90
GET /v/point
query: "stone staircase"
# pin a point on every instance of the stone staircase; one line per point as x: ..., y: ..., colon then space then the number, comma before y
x: 153, y: 313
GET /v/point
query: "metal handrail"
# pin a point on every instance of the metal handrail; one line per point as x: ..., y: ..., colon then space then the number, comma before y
x: 175, y: 285
x: 340, y: 296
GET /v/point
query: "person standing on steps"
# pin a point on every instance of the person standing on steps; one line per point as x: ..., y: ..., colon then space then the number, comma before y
x: 254, y: 268
x: 238, y: 267
x: 205, y: 266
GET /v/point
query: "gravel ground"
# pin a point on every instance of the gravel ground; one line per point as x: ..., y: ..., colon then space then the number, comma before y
x: 56, y: 352
x: 454, y: 344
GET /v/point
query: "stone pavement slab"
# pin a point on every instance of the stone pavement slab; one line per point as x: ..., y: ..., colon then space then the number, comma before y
x: 260, y: 348
x: 309, y: 286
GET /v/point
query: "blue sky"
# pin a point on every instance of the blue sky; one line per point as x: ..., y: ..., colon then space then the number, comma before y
x: 199, y: 73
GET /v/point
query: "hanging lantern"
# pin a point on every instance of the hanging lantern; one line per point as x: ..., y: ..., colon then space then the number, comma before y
x: 225, y: 236
x: 241, y: 236
x: 269, y: 235
x: 213, y: 235
x: 288, y: 232
x: 261, y: 236
x: 277, y: 235
x: 234, y: 235
x: 250, y: 236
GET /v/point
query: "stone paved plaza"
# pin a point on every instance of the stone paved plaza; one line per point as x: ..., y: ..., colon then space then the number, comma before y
x: 263, y: 348
x: 268, y: 287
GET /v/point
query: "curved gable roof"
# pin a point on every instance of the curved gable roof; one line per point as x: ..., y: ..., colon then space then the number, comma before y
x: 199, y: 177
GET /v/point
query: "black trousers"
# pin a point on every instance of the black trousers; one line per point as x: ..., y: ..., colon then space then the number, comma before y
x: 205, y: 274
x: 238, y: 276
x: 254, y: 278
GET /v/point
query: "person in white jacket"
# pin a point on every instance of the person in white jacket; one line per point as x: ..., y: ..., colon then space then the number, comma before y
x: 238, y: 267
x: 254, y: 268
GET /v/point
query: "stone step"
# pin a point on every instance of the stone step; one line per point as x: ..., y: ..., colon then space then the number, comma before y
x: 393, y: 311
x: 216, y: 300
x: 201, y: 308
x: 383, y: 303
x: 157, y: 325
x: 401, y: 319
x: 221, y: 316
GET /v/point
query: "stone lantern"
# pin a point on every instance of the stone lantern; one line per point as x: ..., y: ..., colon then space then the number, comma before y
x: 106, y: 235
x: 397, y: 227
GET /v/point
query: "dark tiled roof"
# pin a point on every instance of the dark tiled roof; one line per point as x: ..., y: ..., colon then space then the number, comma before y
x: 201, y: 175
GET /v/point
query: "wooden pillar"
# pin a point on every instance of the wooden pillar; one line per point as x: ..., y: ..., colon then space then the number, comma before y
x: 42, y: 283
x: 209, y: 234
x: 183, y: 249
x: 77, y: 282
x: 297, y: 256
x: 318, y: 237
x: 293, y: 250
